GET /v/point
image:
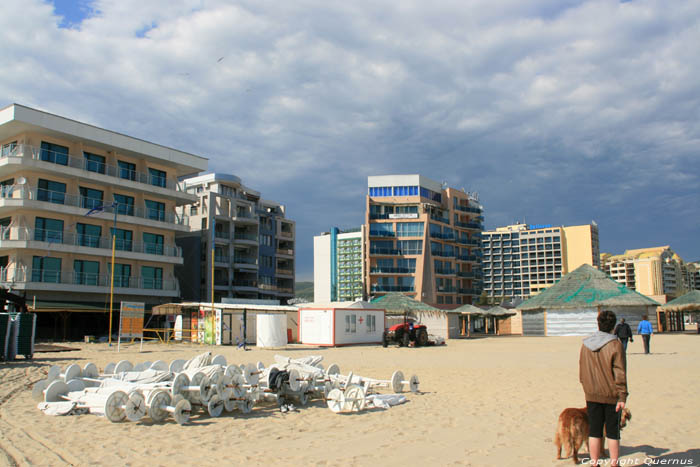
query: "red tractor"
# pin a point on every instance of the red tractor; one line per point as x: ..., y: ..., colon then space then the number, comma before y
x: 405, y: 333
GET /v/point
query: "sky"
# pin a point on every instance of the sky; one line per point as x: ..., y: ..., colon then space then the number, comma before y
x: 556, y: 112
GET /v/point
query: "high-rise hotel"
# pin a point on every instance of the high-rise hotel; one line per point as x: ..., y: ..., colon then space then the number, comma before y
x: 67, y: 187
x: 521, y: 260
x: 423, y: 240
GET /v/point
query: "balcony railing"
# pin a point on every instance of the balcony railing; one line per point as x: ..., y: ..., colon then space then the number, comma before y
x: 393, y: 288
x: 470, y: 242
x: 88, y: 241
x: 470, y: 225
x: 284, y: 233
x: 245, y: 260
x: 285, y: 290
x: 245, y: 236
x: 374, y: 216
x: 468, y: 292
x: 472, y: 258
x: 91, y: 166
x: 447, y: 289
x: 57, y: 197
x: 222, y: 259
x: 286, y: 272
x: 469, y: 274
x: 267, y: 287
x: 283, y: 251
x: 392, y: 270
x: 468, y: 209
x: 444, y: 220
x: 222, y: 234
x: 87, y: 279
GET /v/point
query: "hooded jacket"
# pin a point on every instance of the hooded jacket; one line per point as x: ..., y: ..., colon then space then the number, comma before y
x: 603, y: 369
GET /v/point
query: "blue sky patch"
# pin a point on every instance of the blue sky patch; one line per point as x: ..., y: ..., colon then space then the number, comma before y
x: 72, y: 12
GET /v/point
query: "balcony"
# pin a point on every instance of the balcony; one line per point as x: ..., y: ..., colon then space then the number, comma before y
x: 48, y: 239
x: 285, y: 251
x: 468, y: 292
x: 246, y: 260
x: 392, y: 288
x: 43, y: 279
x: 286, y: 234
x: 469, y: 274
x: 446, y: 289
x: 444, y: 220
x: 268, y: 287
x: 468, y: 209
x: 49, y: 199
x: 224, y: 259
x: 470, y: 225
x: 246, y: 237
x: 284, y: 272
x: 469, y: 242
x: 92, y: 168
x: 285, y: 290
x: 243, y: 283
x: 222, y: 234
x: 245, y: 217
x: 375, y: 216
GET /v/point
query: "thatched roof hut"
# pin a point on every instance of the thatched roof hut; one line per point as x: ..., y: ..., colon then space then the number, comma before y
x: 571, y: 306
x: 672, y: 312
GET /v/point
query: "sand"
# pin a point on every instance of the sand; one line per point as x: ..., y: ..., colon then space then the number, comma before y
x: 489, y: 401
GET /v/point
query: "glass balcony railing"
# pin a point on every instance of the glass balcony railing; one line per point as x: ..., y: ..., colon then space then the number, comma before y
x: 245, y: 259
x: 88, y: 279
x: 445, y: 271
x: 381, y: 233
x: 92, y: 166
x: 58, y: 197
x: 245, y: 236
x: 442, y: 236
x: 89, y: 241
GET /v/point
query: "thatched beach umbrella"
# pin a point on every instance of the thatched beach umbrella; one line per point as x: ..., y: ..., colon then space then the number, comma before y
x: 685, y: 303
x: 469, y: 311
x: 395, y: 303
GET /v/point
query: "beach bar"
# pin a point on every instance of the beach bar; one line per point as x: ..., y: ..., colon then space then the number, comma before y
x: 571, y: 306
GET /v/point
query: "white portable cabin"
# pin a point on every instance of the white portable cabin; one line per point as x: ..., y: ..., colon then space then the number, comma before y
x: 331, y: 326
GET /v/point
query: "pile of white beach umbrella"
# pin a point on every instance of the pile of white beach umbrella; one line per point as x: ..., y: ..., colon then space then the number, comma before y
x: 124, y: 391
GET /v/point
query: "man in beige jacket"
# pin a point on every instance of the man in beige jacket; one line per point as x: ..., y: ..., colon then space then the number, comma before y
x: 602, y: 372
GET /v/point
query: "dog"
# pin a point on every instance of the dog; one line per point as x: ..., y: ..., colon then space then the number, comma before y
x: 573, y: 429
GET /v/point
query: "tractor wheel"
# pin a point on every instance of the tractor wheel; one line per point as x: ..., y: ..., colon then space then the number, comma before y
x: 385, y: 342
x: 421, y: 337
x: 405, y: 340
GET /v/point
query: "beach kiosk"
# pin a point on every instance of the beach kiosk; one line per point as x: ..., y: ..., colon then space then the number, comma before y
x: 571, y: 306
x: 336, y: 324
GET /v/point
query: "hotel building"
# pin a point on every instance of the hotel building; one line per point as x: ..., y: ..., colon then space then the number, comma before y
x: 339, y: 265
x: 66, y: 187
x: 656, y: 272
x: 254, y: 243
x: 521, y: 260
x: 423, y: 240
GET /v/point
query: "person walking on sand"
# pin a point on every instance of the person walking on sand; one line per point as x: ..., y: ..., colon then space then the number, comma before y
x: 603, y: 375
x: 646, y: 331
x: 624, y: 333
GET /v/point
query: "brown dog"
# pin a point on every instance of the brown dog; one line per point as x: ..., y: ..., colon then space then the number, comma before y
x: 573, y: 427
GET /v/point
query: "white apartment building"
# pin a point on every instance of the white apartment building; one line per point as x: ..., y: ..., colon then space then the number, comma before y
x: 254, y: 243
x: 66, y: 188
x: 339, y: 265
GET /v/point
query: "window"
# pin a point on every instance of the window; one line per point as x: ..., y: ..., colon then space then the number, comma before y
x: 54, y: 153
x: 127, y: 170
x: 405, y: 190
x: 155, y: 210
x: 53, y: 192
x: 380, y: 191
x: 125, y: 204
x: 48, y: 230
x: 371, y: 321
x: 152, y: 278
x: 266, y: 261
x: 45, y: 269
x: 156, y: 177
x: 122, y: 274
x: 90, y: 198
x: 351, y: 323
x: 8, y: 149
x: 86, y: 272
x: 266, y: 240
x: 4, y: 227
x: 94, y: 163
x: 406, y: 210
x: 193, y: 210
x: 89, y: 235
x: 124, y: 239
x: 152, y: 243
x: 410, y: 247
x: 382, y: 230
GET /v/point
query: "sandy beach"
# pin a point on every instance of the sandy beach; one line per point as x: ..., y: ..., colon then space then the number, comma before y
x: 489, y: 401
